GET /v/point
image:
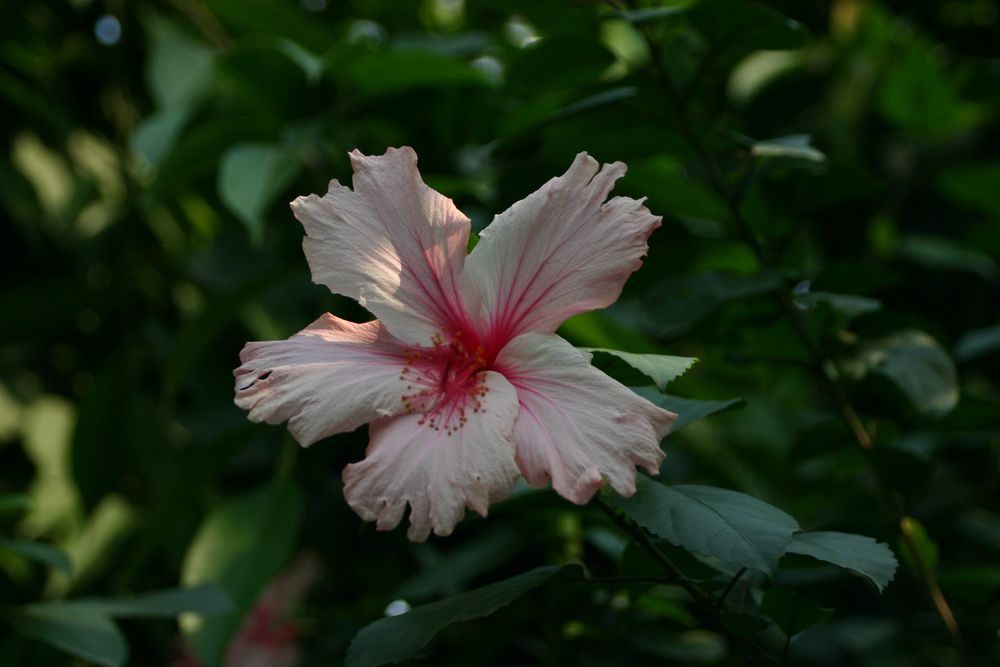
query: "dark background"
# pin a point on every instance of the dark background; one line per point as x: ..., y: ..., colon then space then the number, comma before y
x: 149, y: 150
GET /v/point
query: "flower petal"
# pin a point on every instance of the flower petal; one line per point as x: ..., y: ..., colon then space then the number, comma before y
x: 438, y: 475
x: 577, y: 426
x: 559, y: 252
x: 332, y: 376
x: 392, y: 243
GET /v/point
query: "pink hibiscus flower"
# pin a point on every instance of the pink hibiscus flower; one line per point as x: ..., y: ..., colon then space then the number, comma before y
x: 461, y: 376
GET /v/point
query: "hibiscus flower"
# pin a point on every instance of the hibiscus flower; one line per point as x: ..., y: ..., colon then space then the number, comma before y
x: 462, y: 377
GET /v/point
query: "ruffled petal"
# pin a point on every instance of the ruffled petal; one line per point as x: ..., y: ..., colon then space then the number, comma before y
x: 576, y: 426
x: 332, y: 376
x: 392, y: 243
x: 561, y: 251
x: 438, y: 475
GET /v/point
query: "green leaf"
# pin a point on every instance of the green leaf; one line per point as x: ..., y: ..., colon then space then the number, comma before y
x: 918, y: 95
x: 390, y: 72
x: 180, y: 69
x: 794, y: 146
x: 394, y: 638
x: 79, y: 632
x: 977, y: 343
x: 41, y: 553
x: 917, y: 365
x: 791, y: 612
x: 670, y: 189
x: 943, y: 254
x: 14, y: 503
x: 251, y: 177
x: 733, y: 527
x: 155, y: 135
x: 691, y: 298
x: 660, y: 368
x: 862, y: 555
x: 461, y: 564
x: 240, y: 546
x: 687, y: 409
x: 974, y: 186
x: 204, y: 599
x: 747, y: 26
x: 650, y: 14
x: 849, y: 306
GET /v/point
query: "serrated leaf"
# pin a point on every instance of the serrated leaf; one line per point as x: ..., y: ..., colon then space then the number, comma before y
x: 394, y: 638
x: 859, y: 554
x: 688, y: 410
x: 79, y: 632
x: 733, y: 527
x: 660, y: 368
x: 795, y: 146
x: 204, y: 599
x: 40, y: 553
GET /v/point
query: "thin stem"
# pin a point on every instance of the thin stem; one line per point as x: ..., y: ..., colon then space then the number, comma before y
x: 732, y: 582
x: 701, y: 598
x: 820, y: 363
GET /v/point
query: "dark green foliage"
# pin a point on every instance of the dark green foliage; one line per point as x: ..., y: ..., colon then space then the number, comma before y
x: 829, y: 184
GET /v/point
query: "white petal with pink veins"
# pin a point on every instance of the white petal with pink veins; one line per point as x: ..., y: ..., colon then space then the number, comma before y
x: 561, y: 251
x: 392, y: 243
x: 410, y: 462
x: 576, y: 426
x: 332, y: 376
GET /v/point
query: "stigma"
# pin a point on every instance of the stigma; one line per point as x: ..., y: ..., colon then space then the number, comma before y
x: 445, y: 382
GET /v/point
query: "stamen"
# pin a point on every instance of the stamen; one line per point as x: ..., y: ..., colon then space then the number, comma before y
x: 444, y: 381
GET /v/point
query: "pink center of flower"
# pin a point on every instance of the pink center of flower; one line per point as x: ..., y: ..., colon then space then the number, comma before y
x: 444, y: 383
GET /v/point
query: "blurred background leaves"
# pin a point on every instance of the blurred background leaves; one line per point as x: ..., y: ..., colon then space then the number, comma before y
x: 828, y: 178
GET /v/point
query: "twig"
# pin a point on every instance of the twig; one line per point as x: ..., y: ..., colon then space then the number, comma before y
x: 729, y: 587
x: 703, y: 600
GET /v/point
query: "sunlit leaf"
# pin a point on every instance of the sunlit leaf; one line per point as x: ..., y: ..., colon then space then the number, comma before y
x: 394, y: 638
x: 660, y: 368
x: 251, y: 176
x: 737, y: 529
x: 862, y: 555
x: 794, y: 146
